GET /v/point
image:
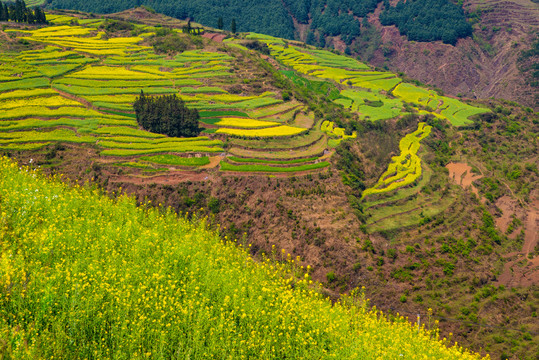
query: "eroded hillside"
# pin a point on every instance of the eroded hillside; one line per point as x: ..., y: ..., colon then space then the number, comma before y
x: 483, y: 66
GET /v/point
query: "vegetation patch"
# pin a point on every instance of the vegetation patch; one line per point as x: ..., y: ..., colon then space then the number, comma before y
x: 405, y: 168
x: 225, y: 166
x: 277, y: 131
x: 168, y: 159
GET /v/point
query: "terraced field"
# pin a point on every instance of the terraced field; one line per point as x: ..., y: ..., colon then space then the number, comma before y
x: 79, y: 87
x: 80, y: 84
x: 374, y: 95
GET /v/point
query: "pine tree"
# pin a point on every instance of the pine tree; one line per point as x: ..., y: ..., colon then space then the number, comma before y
x: 220, y: 23
x: 19, y: 11
x: 233, y: 26
x: 3, y: 14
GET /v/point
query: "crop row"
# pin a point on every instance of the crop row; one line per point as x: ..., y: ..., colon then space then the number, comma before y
x: 169, y: 159
x: 245, y: 123
x: 277, y: 131
x: 49, y: 101
x: 225, y: 166
x: 63, y: 135
x: 275, y: 162
x: 405, y: 168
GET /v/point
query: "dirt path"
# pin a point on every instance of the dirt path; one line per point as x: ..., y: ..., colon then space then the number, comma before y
x: 84, y: 102
x: 214, y: 162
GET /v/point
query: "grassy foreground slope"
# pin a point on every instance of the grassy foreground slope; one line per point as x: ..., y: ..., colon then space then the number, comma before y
x: 84, y: 276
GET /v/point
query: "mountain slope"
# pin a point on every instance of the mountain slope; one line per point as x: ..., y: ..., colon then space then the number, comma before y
x: 483, y: 66
x: 304, y: 150
x: 84, y: 276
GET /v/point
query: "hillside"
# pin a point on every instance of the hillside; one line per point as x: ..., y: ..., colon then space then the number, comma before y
x: 481, y: 64
x: 368, y: 177
x: 84, y: 276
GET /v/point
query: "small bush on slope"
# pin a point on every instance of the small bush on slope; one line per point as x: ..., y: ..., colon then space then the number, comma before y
x: 84, y: 276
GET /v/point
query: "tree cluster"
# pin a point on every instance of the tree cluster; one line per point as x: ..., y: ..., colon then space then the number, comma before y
x: 427, y: 20
x: 268, y: 17
x: 272, y: 17
x: 420, y: 20
x: 166, y: 115
x: 18, y: 12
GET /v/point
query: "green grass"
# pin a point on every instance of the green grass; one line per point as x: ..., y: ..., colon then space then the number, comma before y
x: 12, y: 125
x: 458, y: 113
x: 216, y: 114
x: 126, y: 131
x: 202, y: 90
x: 114, y: 106
x: 264, y: 161
x: 172, y: 149
x: 24, y: 84
x: 176, y: 160
x: 325, y: 88
x: 51, y: 71
x: 225, y: 166
x: 58, y: 135
x: 23, y: 146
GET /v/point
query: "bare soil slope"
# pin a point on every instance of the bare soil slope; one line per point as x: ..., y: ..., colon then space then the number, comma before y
x: 482, y: 67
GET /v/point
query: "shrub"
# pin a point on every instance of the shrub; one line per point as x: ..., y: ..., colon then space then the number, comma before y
x: 214, y: 205
x: 330, y: 276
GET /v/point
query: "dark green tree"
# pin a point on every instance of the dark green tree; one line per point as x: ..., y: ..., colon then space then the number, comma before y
x: 18, y: 12
x: 167, y: 115
x: 220, y: 23
x: 233, y: 26
x: 427, y: 20
x: 3, y: 13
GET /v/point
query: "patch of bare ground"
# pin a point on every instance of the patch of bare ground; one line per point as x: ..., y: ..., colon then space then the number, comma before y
x: 522, y: 268
x: 462, y: 175
x: 508, y: 208
x: 217, y: 37
x: 214, y: 162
